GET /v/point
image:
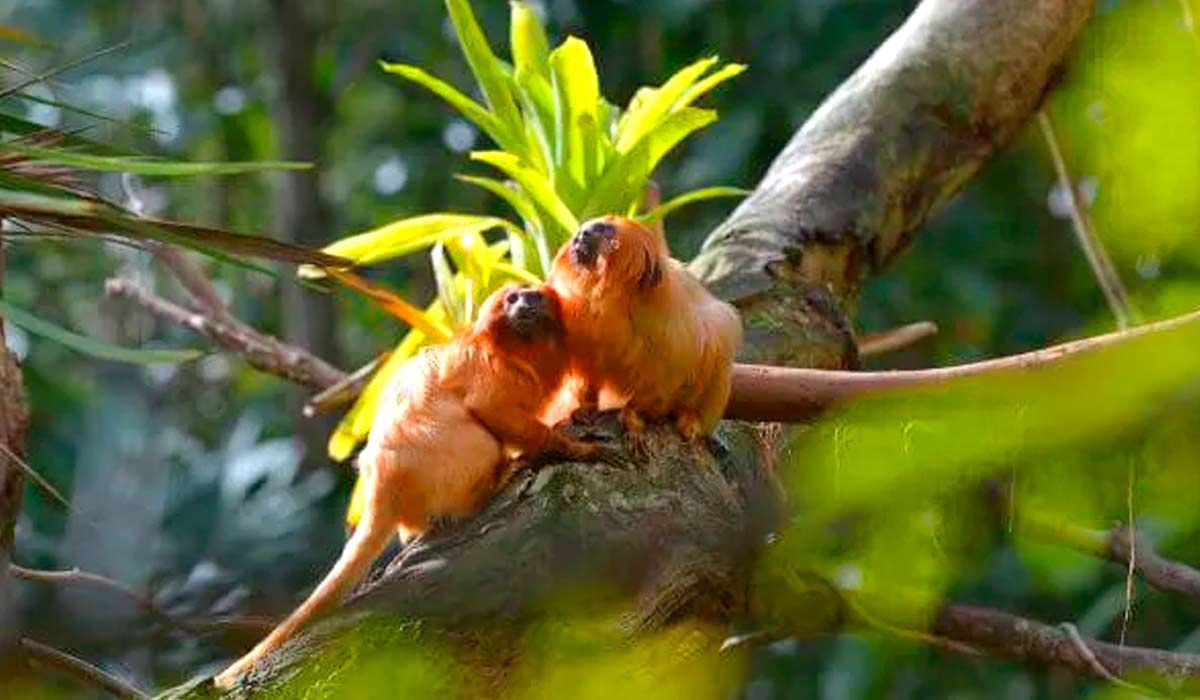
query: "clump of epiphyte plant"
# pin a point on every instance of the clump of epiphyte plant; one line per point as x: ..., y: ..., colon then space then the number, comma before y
x: 565, y: 155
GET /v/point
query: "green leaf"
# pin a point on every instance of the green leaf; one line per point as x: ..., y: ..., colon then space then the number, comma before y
x: 91, y: 346
x: 523, y: 206
x: 469, y: 108
x: 537, y: 99
x: 621, y: 188
x: 651, y: 107
x: 517, y: 273
x: 704, y: 86
x: 141, y: 165
x: 666, y: 208
x: 486, y: 67
x: 405, y: 236
x: 577, y: 97
x: 447, y: 290
x: 530, y: 49
x: 536, y: 187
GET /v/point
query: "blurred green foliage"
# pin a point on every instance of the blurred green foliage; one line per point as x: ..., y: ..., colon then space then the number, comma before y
x: 185, y: 480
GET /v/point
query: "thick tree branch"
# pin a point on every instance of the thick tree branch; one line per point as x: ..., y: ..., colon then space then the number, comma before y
x: 259, y: 350
x: 762, y: 392
x: 901, y: 136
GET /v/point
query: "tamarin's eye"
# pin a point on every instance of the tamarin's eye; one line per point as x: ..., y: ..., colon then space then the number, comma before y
x: 511, y: 298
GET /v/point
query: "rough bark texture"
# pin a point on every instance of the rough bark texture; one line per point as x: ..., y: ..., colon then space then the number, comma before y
x: 669, y: 540
x: 14, y: 422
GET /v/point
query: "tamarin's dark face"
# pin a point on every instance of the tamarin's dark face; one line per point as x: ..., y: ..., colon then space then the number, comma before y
x: 532, y: 312
x: 595, y: 239
x: 529, y: 313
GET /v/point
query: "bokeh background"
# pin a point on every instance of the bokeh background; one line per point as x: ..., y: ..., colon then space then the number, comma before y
x: 201, y: 482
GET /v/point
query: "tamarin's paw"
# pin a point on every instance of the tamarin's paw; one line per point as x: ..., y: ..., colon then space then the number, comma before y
x: 635, y: 431
x: 688, y: 425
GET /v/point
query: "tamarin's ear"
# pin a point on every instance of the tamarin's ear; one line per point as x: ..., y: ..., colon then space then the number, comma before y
x: 652, y: 272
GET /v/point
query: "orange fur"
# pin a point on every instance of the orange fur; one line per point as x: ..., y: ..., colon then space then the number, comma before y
x: 644, y: 334
x: 437, y: 446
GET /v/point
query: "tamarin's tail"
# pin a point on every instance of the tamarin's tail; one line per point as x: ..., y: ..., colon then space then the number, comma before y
x: 370, y: 538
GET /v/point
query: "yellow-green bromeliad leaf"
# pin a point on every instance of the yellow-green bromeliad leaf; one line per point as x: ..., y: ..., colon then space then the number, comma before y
x: 406, y: 236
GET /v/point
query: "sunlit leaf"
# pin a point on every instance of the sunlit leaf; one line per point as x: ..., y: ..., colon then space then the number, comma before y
x: 524, y: 207
x: 394, y: 304
x: 709, y: 82
x: 577, y: 93
x: 530, y: 48
x: 486, y: 67
x: 665, y: 209
x: 650, y: 108
x: 535, y: 185
x: 447, y: 291
x: 91, y: 346
x: 469, y: 108
x: 406, y: 236
x: 622, y: 185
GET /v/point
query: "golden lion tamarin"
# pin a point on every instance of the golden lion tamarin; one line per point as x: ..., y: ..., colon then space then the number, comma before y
x: 437, y: 446
x: 644, y: 334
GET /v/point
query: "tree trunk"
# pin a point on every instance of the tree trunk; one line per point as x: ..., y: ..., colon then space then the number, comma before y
x: 301, y: 215
x: 666, y: 548
x: 14, y: 422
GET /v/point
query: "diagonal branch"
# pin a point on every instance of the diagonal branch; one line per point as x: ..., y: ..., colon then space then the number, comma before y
x: 246, y: 625
x: 81, y: 670
x: 1021, y: 638
x: 261, y: 351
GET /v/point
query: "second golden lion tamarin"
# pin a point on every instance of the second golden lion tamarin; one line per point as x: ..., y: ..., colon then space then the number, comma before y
x: 643, y: 333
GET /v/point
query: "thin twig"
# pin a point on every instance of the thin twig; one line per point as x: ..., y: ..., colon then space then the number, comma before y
x: 197, y: 284
x: 1102, y: 266
x: 1124, y: 545
x: 33, y: 474
x: 1115, y: 546
x: 261, y: 351
x: 142, y: 601
x: 1017, y: 637
x: 81, y: 670
x: 1131, y: 566
x: 895, y: 338
x: 344, y: 391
